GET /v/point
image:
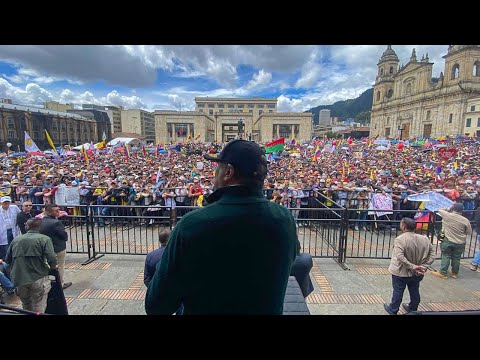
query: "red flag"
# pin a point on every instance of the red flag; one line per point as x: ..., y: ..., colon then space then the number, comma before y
x: 144, y: 151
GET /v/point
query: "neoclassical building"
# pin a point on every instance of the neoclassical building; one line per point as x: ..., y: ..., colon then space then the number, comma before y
x: 63, y: 127
x: 408, y: 102
x: 223, y: 119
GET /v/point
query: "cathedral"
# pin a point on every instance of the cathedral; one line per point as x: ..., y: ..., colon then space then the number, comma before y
x: 408, y: 102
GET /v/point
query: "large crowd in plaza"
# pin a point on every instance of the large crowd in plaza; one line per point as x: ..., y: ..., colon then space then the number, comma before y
x: 345, y: 171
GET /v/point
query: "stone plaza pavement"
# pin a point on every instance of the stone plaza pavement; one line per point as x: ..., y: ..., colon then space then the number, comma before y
x: 113, y: 285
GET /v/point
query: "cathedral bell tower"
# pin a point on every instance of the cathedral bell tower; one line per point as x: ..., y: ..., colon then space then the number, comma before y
x: 462, y: 64
x: 387, y: 68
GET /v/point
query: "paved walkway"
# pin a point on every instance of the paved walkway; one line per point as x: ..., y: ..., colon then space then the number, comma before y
x: 113, y: 285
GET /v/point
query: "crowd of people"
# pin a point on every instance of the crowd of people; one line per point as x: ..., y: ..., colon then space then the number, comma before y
x: 344, y: 172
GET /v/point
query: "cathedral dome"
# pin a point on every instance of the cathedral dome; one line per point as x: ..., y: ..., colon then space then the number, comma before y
x: 389, y: 55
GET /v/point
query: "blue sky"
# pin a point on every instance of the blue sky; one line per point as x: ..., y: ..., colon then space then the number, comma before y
x: 170, y: 77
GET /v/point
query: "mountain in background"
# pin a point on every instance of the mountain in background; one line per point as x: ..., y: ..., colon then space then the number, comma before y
x: 358, y: 108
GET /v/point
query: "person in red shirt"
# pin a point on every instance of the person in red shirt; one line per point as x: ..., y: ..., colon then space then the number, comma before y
x: 450, y: 192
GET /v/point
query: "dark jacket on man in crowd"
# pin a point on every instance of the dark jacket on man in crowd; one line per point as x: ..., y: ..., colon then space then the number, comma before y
x: 55, y: 230
x: 153, y: 258
x: 230, y: 257
x: 23, y: 217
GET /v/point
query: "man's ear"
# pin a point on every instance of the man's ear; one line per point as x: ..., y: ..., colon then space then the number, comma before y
x: 229, y: 172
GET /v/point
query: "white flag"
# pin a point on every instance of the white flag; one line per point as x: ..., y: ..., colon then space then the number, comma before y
x: 104, y: 136
x: 30, y: 144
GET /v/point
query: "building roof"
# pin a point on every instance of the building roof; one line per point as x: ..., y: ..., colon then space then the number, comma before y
x: 33, y: 109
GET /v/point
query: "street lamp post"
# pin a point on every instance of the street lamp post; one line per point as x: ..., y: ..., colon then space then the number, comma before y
x: 215, y: 133
x: 401, y: 128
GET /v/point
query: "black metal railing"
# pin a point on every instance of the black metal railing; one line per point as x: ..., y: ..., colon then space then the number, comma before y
x: 323, y: 231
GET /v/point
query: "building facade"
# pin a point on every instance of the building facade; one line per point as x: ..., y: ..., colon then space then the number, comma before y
x: 102, y: 120
x: 64, y: 128
x: 139, y: 122
x: 472, y: 118
x: 324, y: 117
x: 56, y: 106
x: 408, y: 102
x: 223, y: 119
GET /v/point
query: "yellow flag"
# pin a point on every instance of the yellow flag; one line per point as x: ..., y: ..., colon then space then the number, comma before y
x: 49, y: 139
x: 371, y: 174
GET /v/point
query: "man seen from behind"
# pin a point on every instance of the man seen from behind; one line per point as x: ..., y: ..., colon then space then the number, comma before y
x: 31, y: 257
x: 412, y: 253
x: 234, y: 255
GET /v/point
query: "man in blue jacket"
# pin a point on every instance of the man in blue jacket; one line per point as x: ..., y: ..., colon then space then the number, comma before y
x: 234, y: 255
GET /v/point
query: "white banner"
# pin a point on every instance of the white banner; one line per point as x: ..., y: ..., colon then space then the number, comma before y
x: 381, y: 202
x: 433, y: 200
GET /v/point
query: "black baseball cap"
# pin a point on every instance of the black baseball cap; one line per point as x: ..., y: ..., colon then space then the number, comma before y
x: 242, y: 154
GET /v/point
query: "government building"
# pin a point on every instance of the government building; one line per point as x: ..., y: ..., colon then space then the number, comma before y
x: 223, y: 119
x: 63, y: 127
x: 408, y: 102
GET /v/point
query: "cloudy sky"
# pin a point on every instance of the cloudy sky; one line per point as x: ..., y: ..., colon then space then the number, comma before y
x: 170, y: 77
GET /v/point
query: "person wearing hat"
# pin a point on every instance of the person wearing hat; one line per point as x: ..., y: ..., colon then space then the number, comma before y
x: 453, y: 237
x: 8, y: 224
x: 234, y: 255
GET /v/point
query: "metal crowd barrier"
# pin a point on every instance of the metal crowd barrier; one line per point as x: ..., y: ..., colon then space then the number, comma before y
x: 323, y: 231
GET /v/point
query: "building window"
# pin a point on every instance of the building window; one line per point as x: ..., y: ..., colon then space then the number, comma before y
x: 476, y: 68
x: 260, y: 106
x: 271, y: 106
x: 210, y: 112
x: 381, y: 71
x: 220, y: 106
x: 428, y: 114
x: 387, y: 132
x: 469, y: 123
x: 390, y: 93
x: 388, y: 121
x: 472, y: 108
x: 270, y: 111
x: 251, y: 106
x: 478, y: 122
x: 450, y: 119
x: 391, y: 70
x: 378, y: 95
x: 250, y: 111
x: 201, y: 105
x: 11, y: 124
x: 455, y: 72
x: 220, y: 111
x: 211, y: 106
x: 260, y: 112
x: 231, y: 106
x: 408, y: 91
x: 12, y: 134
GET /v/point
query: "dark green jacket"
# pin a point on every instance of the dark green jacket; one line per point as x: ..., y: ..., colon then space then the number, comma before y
x: 30, y: 257
x: 230, y: 257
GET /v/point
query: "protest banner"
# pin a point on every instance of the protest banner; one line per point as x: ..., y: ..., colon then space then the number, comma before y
x: 60, y: 196
x: 446, y: 154
x: 357, y: 155
x: 433, y: 200
x: 381, y: 202
x: 72, y: 196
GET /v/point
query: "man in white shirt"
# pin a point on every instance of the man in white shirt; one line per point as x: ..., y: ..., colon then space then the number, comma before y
x: 8, y: 227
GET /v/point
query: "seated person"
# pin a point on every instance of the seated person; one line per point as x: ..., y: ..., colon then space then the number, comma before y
x: 301, y: 270
x: 4, y: 280
x: 154, y: 257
